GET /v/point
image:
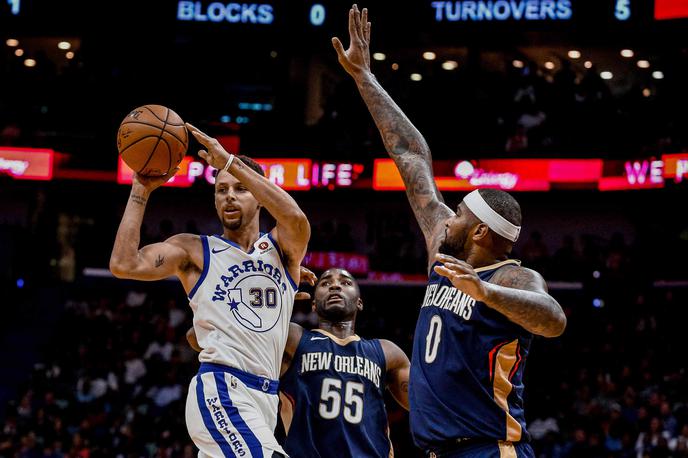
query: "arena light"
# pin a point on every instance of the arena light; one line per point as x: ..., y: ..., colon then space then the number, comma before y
x: 379, y: 56
x: 646, y: 92
x: 587, y: 64
x: 395, y: 66
x: 450, y: 65
x: 273, y: 54
x: 658, y: 75
x: 12, y: 42
x: 429, y: 55
x: 643, y: 63
x: 517, y: 63
x: 627, y: 53
x: 18, y: 52
x: 30, y: 63
x: 69, y: 55
x: 606, y: 75
x: 416, y: 77
x: 64, y: 45
x: 574, y: 54
x: 549, y: 65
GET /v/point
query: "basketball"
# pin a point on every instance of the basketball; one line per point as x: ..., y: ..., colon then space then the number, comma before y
x: 152, y: 140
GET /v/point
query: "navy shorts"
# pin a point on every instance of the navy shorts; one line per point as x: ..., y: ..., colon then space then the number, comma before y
x: 485, y: 450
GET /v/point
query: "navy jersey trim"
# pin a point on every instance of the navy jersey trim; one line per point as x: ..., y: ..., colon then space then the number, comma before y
x: 206, y: 266
x: 284, y: 263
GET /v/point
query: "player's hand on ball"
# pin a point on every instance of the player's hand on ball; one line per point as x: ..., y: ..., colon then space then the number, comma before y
x: 356, y: 59
x: 150, y: 183
x: 215, y: 155
x: 462, y: 276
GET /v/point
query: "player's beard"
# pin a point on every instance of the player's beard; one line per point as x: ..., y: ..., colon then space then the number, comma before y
x: 453, y: 246
x: 337, y: 314
x: 233, y: 225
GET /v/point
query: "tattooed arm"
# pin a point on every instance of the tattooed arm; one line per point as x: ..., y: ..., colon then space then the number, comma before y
x: 398, y: 367
x: 518, y: 293
x: 404, y: 143
x: 158, y: 260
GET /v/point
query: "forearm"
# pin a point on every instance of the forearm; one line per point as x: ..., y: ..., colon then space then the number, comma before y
x: 125, y: 251
x: 535, y: 312
x: 407, y: 147
x: 274, y: 199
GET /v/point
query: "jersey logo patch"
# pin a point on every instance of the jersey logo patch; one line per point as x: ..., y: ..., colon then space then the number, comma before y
x: 220, y: 251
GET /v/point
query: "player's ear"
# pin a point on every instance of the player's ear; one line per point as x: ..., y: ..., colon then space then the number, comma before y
x: 480, y: 231
x: 313, y: 306
x: 359, y: 304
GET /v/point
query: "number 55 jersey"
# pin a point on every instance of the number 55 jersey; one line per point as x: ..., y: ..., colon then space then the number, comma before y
x: 333, y: 398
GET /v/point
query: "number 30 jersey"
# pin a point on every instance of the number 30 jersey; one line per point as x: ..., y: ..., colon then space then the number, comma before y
x: 333, y: 398
x: 242, y: 305
x: 466, y: 369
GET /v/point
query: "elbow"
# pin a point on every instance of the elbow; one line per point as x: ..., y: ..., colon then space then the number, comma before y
x: 117, y: 269
x: 300, y: 222
x: 557, y: 326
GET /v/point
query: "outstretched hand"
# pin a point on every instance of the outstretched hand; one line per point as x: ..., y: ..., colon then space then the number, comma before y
x: 215, y: 155
x: 462, y: 276
x: 356, y: 59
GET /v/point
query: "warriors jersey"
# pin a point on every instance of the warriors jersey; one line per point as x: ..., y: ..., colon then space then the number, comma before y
x: 333, y: 398
x: 466, y: 369
x: 242, y: 305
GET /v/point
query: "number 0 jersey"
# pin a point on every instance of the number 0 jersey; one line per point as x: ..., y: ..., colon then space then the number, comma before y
x: 242, y: 305
x: 334, y: 392
x: 466, y: 369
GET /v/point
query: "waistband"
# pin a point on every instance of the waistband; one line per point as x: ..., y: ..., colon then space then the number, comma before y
x: 255, y: 382
x: 441, y: 449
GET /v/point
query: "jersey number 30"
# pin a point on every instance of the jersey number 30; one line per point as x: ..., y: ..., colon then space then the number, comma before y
x: 331, y: 400
x: 432, y: 341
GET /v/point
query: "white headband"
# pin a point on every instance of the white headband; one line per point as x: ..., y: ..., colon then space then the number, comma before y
x: 475, y: 203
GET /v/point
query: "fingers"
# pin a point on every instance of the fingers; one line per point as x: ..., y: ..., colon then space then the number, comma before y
x: 365, y: 25
x: 198, y: 135
x: 203, y: 155
x: 451, y: 274
x: 338, y: 47
x: 301, y: 296
x: 357, y: 22
x: 307, y: 276
x: 353, y: 33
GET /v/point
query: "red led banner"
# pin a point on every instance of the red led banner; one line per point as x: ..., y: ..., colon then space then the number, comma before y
x: 27, y: 163
x: 671, y: 9
x: 293, y: 174
x: 506, y: 174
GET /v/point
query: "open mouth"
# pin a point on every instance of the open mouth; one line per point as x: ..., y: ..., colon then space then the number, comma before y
x: 231, y: 212
x: 335, y: 299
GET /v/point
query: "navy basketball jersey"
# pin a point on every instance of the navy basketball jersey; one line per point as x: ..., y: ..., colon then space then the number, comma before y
x: 466, y: 369
x: 333, y: 398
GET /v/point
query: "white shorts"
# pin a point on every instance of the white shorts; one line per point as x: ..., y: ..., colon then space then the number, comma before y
x: 230, y: 413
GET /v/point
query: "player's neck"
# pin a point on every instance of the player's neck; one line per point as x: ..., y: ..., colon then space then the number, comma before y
x: 245, y: 236
x: 482, y: 258
x: 341, y: 329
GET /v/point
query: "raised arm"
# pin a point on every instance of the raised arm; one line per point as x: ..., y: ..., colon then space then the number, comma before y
x: 403, y: 142
x: 518, y: 293
x: 155, y: 261
x: 398, y: 367
x: 293, y: 230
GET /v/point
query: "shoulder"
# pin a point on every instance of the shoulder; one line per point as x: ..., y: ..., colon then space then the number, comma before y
x: 518, y: 277
x: 294, y: 337
x: 185, y: 241
x: 394, y: 356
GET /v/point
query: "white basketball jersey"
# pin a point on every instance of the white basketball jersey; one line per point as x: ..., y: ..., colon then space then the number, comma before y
x: 242, y: 305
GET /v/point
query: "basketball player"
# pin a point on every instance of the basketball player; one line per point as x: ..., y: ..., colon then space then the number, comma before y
x: 481, y: 308
x: 241, y: 287
x: 332, y: 384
